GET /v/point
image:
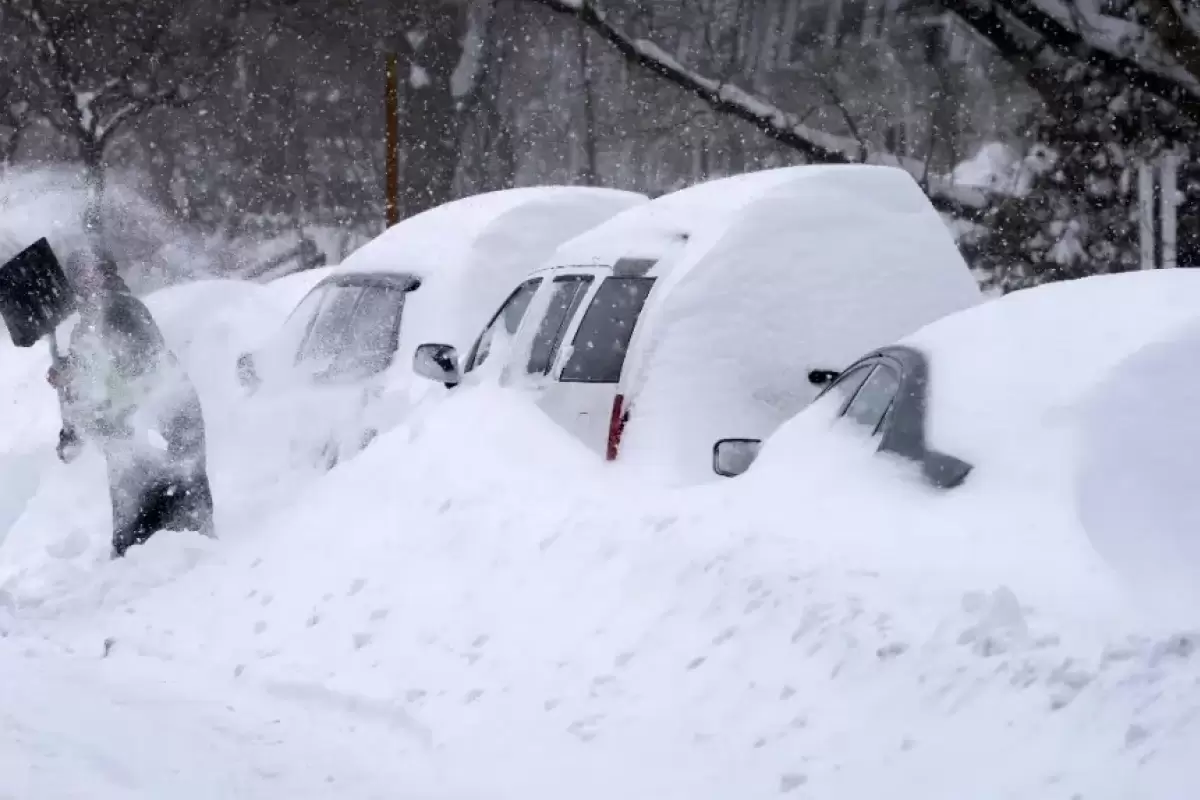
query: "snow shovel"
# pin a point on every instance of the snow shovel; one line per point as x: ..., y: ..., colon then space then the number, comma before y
x: 35, y: 295
x: 35, y: 298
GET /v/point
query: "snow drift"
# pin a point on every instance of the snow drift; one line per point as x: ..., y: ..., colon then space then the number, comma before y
x: 1138, y: 467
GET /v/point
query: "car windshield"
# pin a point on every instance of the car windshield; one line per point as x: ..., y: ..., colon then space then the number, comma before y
x: 371, y: 339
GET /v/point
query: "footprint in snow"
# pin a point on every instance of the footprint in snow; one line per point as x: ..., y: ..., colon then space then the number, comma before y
x: 379, y: 614
x: 587, y: 728
x: 725, y: 635
x: 356, y: 587
x: 792, y: 781
x: 260, y: 626
x: 361, y: 640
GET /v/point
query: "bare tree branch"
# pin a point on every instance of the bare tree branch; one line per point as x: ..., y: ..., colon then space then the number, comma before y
x: 1041, y: 44
x: 1172, y: 29
x: 779, y: 126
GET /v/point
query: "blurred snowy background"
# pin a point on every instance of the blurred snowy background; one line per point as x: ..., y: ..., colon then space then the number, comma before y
x: 1055, y: 137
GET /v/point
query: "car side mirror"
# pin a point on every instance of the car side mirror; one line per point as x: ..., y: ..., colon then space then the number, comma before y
x: 437, y: 362
x: 823, y: 377
x: 944, y: 471
x: 732, y: 457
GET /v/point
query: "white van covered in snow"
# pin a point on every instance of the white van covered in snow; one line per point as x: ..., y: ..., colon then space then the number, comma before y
x: 701, y: 314
x: 437, y: 275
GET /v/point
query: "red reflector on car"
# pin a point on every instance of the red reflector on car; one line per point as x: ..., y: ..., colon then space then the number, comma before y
x: 616, y: 426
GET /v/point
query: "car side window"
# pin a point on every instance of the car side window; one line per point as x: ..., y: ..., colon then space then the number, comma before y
x: 843, y: 390
x: 330, y: 333
x: 565, y: 297
x: 874, y: 398
x: 504, y: 324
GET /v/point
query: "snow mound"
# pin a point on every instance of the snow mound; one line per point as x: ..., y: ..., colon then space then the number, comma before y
x: 1016, y: 368
x: 480, y: 582
x: 1137, y: 472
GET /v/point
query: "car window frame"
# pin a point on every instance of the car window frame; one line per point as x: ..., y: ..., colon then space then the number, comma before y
x: 469, y: 363
x: 873, y: 367
x: 588, y: 283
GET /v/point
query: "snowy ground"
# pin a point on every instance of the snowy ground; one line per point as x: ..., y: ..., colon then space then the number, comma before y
x: 76, y: 725
x: 476, y: 607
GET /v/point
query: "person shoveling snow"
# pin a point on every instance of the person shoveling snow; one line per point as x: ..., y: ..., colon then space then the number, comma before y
x: 120, y: 387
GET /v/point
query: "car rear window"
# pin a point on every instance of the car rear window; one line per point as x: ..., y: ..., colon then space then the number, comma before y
x: 598, y: 350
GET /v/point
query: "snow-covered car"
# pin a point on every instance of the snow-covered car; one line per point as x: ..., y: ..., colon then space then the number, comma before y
x: 989, y: 390
x: 700, y: 313
x: 438, y: 273
x: 883, y: 395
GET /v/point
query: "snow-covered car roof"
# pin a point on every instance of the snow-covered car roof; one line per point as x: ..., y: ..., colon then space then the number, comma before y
x: 472, y: 252
x: 812, y: 267
x: 656, y: 228
x: 450, y: 234
x: 291, y: 288
x: 1005, y: 370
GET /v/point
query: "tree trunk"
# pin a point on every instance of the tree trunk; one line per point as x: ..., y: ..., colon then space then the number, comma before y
x: 430, y: 125
x: 590, y: 175
x: 91, y: 152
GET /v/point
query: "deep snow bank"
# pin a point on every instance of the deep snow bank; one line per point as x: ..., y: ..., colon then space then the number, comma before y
x: 476, y: 576
x: 1138, y: 471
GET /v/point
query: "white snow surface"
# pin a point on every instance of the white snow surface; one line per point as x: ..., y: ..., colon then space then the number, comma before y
x: 807, y: 268
x: 1044, y: 348
x: 1139, y: 458
x: 474, y: 607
